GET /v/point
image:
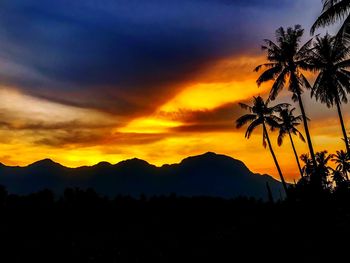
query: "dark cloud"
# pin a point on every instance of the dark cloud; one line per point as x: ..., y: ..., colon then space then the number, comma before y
x: 87, y: 138
x: 45, y: 126
x: 130, y: 138
x: 218, y: 119
x: 123, y: 56
x: 221, y: 118
x: 78, y: 138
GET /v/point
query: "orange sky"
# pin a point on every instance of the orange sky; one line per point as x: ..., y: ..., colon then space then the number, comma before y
x: 198, y: 118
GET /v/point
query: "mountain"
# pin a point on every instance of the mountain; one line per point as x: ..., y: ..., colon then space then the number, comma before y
x: 209, y: 174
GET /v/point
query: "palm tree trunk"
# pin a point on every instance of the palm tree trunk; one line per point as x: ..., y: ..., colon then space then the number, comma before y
x: 343, y: 126
x: 275, y: 160
x: 296, y: 155
x: 306, y: 127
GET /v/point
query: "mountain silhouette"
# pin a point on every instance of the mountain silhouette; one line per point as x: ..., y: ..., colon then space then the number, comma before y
x: 209, y: 174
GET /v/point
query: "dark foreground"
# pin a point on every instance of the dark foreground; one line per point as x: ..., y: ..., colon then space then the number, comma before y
x: 82, y: 227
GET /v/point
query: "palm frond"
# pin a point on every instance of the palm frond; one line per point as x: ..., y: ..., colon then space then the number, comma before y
x: 305, y: 81
x: 243, y: 120
x: 266, y: 65
x: 252, y: 127
x: 333, y: 11
x: 301, y: 137
x: 278, y: 85
x: 280, y: 137
x: 269, y: 74
x: 245, y: 106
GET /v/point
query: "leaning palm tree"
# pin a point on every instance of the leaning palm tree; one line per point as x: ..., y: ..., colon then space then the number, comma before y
x: 262, y: 115
x: 342, y: 160
x: 288, y: 126
x: 330, y: 58
x: 335, y: 11
x: 286, y: 62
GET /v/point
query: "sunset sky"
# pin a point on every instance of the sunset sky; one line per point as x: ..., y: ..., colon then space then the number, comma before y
x: 86, y: 81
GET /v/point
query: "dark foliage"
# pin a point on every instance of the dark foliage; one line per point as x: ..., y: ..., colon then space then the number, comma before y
x: 81, y: 226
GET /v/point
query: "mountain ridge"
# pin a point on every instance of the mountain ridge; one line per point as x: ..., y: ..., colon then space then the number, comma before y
x: 47, y: 160
x: 208, y: 174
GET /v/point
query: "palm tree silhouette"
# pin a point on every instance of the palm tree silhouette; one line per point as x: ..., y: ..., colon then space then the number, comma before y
x: 338, y: 177
x: 317, y: 175
x: 323, y: 170
x: 262, y: 114
x: 288, y: 126
x: 308, y: 167
x: 333, y: 11
x: 330, y: 58
x: 286, y: 60
x: 342, y: 160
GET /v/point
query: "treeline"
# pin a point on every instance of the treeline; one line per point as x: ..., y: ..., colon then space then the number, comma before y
x: 81, y: 226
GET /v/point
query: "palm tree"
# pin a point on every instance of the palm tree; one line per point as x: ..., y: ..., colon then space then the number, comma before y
x: 338, y: 178
x: 332, y: 12
x: 286, y: 60
x: 317, y: 176
x: 288, y: 126
x: 330, y: 58
x: 262, y: 114
x: 323, y: 170
x: 308, y: 167
x: 342, y: 160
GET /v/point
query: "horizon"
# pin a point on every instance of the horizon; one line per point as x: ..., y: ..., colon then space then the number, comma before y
x: 129, y: 159
x: 160, y: 85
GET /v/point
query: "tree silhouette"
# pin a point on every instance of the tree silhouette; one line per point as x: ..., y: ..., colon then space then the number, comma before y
x: 323, y: 170
x: 286, y: 60
x: 262, y: 114
x: 308, y: 167
x: 330, y: 58
x: 341, y: 183
x: 342, y: 160
x: 288, y: 126
x: 332, y: 12
x: 317, y: 176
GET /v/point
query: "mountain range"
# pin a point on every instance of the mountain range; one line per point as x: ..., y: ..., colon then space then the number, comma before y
x: 208, y: 174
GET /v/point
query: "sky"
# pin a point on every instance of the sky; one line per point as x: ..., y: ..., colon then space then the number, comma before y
x: 86, y: 81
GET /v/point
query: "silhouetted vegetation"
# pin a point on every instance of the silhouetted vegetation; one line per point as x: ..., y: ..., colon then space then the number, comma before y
x: 262, y: 115
x: 327, y: 58
x: 81, y: 226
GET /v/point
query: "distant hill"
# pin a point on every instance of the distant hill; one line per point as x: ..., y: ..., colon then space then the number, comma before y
x: 209, y: 174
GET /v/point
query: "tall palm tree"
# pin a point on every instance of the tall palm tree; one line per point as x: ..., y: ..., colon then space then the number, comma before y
x: 286, y: 62
x: 342, y: 160
x: 288, y: 126
x: 330, y: 58
x: 335, y: 11
x: 260, y: 114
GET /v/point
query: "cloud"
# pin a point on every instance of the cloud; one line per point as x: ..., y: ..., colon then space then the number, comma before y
x: 221, y: 118
x: 88, y: 138
x: 44, y: 126
x: 124, y: 57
